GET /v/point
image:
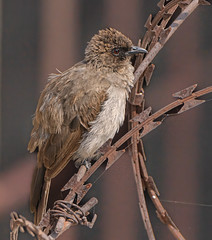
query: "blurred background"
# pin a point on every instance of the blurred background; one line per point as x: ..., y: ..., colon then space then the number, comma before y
x: 36, y: 37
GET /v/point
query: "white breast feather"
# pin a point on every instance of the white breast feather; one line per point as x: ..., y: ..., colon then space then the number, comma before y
x: 107, y: 123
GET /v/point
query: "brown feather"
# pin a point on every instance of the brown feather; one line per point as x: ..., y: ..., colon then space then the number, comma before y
x: 41, y: 208
x: 69, y: 106
x: 61, y: 118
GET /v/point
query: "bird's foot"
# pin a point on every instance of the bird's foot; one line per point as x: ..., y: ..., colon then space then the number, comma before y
x: 87, y: 163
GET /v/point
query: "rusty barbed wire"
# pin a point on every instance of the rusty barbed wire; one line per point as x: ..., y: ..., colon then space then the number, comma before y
x: 159, y: 30
x: 20, y: 223
x: 67, y: 212
x: 73, y: 214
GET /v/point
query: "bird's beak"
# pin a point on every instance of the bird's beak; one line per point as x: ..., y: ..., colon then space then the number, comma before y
x: 135, y: 50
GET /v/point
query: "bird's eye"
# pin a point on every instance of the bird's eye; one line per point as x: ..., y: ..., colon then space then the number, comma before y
x: 116, y: 51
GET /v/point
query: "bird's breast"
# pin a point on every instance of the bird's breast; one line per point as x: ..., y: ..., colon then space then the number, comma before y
x: 114, y: 107
x: 112, y: 114
x: 107, y: 123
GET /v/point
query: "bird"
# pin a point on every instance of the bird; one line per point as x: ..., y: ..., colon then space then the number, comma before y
x: 79, y: 110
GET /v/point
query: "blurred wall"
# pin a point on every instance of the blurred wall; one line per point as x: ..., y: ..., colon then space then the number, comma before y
x: 39, y: 36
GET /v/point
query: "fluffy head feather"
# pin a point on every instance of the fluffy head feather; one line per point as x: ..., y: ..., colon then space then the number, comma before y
x: 108, y: 48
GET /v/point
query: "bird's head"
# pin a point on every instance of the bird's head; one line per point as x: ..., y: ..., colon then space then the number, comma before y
x: 110, y: 48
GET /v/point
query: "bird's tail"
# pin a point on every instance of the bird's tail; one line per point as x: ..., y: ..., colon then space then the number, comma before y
x: 39, y: 193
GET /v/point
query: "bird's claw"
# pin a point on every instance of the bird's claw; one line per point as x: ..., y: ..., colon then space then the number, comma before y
x: 87, y: 163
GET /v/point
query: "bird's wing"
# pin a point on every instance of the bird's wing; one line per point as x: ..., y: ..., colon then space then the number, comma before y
x: 61, y: 119
x: 63, y: 114
x: 64, y: 145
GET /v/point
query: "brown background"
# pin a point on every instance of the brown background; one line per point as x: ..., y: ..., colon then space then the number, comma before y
x: 39, y: 36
